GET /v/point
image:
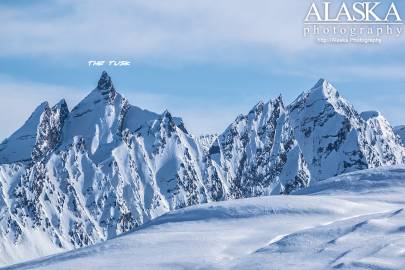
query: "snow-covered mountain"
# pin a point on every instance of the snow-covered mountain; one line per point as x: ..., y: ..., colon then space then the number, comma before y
x: 74, y: 178
x: 352, y: 221
x: 277, y: 149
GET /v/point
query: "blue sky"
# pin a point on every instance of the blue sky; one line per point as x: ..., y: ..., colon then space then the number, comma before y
x: 204, y: 60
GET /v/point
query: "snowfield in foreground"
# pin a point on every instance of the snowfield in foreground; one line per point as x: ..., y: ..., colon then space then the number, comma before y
x: 354, y: 221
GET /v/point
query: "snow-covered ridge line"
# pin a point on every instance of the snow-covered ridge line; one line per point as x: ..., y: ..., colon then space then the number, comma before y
x: 74, y: 178
x: 356, y: 223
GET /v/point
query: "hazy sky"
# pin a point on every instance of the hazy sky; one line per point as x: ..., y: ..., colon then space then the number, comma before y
x: 204, y: 60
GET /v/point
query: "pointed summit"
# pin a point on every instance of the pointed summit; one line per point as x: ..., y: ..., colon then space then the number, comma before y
x: 325, y: 89
x: 105, y: 82
x: 62, y: 103
x: 322, y: 90
x: 320, y: 83
x: 278, y: 101
x: 167, y: 114
x: 257, y: 108
x: 49, y: 130
x: 62, y: 108
x: 106, y: 86
x: 60, y: 111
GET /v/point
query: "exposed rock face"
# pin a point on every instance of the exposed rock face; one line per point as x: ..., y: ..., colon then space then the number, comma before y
x: 336, y: 139
x: 75, y: 178
x: 400, y: 132
x: 49, y: 131
x: 258, y: 154
x: 276, y: 149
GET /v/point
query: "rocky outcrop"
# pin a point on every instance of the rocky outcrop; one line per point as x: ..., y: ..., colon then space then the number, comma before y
x: 72, y: 179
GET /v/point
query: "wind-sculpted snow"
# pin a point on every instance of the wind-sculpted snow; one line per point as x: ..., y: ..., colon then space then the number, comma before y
x: 93, y: 173
x: 348, y: 230
x: 372, y: 241
x: 372, y: 181
x: 71, y: 179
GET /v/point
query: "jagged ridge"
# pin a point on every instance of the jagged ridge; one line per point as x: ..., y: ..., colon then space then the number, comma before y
x: 78, y: 177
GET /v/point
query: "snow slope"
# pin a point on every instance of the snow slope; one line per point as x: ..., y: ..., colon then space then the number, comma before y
x: 359, y: 226
x: 278, y: 149
x: 74, y: 178
x: 20, y: 144
x: 92, y: 173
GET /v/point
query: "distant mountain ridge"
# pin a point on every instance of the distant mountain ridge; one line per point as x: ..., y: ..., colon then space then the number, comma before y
x: 74, y: 178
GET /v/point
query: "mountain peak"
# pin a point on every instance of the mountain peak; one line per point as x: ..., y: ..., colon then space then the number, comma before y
x: 106, y: 87
x: 62, y: 105
x: 321, y: 82
x: 41, y: 107
x: 257, y: 107
x: 323, y: 90
x: 278, y: 100
x: 167, y: 114
x: 105, y: 82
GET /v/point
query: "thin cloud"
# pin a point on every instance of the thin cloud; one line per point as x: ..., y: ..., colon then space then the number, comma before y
x: 382, y: 72
x: 178, y: 28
